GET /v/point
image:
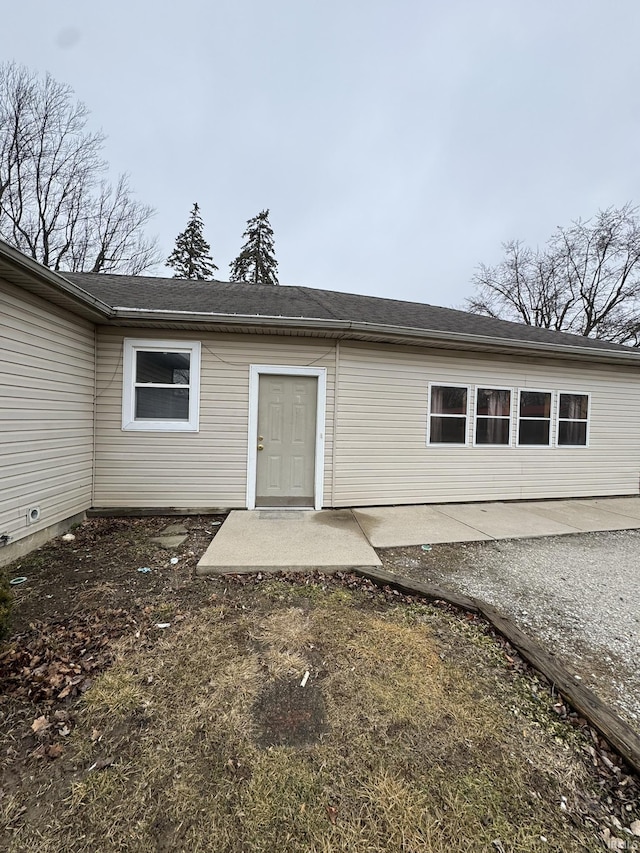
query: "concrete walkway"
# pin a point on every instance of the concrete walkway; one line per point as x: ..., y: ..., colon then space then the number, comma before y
x: 392, y: 527
x: 289, y: 540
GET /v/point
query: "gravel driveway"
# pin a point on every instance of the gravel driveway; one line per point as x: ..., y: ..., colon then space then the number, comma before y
x: 579, y: 595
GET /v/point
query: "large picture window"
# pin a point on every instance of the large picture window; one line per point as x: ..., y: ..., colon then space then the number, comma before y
x: 161, y: 385
x: 448, y: 413
x: 493, y: 416
x: 534, y: 418
x: 573, y: 419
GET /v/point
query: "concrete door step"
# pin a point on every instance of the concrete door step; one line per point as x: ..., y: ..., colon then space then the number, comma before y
x: 279, y: 540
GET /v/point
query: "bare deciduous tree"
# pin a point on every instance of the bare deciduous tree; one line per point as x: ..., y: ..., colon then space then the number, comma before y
x: 586, y: 280
x: 55, y: 203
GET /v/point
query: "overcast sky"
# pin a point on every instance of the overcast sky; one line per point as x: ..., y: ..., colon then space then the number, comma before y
x: 396, y: 144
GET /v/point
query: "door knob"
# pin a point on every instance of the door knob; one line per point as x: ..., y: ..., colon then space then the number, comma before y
x: 261, y: 447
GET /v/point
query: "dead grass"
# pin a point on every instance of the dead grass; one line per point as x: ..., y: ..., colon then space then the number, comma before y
x: 419, y: 748
x: 116, y: 692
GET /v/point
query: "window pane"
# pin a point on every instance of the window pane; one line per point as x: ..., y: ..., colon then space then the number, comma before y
x: 166, y: 368
x: 492, y: 431
x: 162, y: 404
x: 448, y: 430
x: 574, y: 406
x: 494, y: 402
x: 533, y: 432
x: 535, y: 404
x: 573, y: 433
x: 446, y: 400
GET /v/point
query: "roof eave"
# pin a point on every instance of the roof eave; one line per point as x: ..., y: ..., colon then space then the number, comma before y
x: 36, y: 278
x: 39, y: 279
x: 394, y: 334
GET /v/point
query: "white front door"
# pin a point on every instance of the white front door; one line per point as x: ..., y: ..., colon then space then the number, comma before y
x: 286, y: 440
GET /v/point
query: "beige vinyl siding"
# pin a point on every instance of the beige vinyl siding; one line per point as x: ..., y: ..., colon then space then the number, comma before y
x: 207, y: 468
x: 46, y: 412
x: 381, y: 456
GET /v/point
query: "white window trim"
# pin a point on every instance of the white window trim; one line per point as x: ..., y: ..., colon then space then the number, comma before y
x: 486, y: 417
x: 255, y: 370
x: 134, y: 345
x: 466, y: 415
x: 586, y: 394
x: 551, y: 418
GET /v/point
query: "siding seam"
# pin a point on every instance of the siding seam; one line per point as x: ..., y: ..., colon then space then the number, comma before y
x: 336, y: 392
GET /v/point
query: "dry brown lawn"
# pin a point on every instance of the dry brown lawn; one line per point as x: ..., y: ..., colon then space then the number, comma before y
x: 415, y: 731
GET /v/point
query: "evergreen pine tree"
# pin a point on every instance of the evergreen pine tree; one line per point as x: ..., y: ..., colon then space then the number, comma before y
x: 256, y: 262
x: 190, y: 257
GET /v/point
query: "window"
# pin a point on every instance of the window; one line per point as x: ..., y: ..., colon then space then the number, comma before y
x: 161, y: 385
x: 448, y: 414
x: 534, y: 418
x: 493, y: 416
x: 573, y: 420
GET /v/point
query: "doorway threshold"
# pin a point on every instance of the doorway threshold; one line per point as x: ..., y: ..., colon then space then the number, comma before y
x: 268, y: 509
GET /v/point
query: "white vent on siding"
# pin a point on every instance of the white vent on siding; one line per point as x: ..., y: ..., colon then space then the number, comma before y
x: 33, y: 514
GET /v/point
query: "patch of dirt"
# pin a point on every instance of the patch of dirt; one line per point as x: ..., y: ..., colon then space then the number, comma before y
x: 99, y: 569
x: 289, y: 715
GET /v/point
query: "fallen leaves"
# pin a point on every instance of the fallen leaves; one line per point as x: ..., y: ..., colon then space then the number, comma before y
x: 57, y: 661
x: 46, y: 728
x: 54, y: 663
x: 40, y: 724
x: 54, y: 750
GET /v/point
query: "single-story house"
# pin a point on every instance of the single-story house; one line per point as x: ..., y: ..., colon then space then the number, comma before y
x: 136, y: 392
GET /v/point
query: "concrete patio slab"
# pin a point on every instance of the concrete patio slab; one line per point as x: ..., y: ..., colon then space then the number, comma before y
x: 505, y: 520
x: 628, y: 507
x: 395, y: 526
x: 584, y: 515
x: 282, y: 540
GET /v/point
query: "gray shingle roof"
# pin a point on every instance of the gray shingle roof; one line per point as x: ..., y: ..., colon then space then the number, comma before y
x: 235, y: 298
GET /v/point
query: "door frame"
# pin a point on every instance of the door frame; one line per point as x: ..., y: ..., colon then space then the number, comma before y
x: 255, y: 371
